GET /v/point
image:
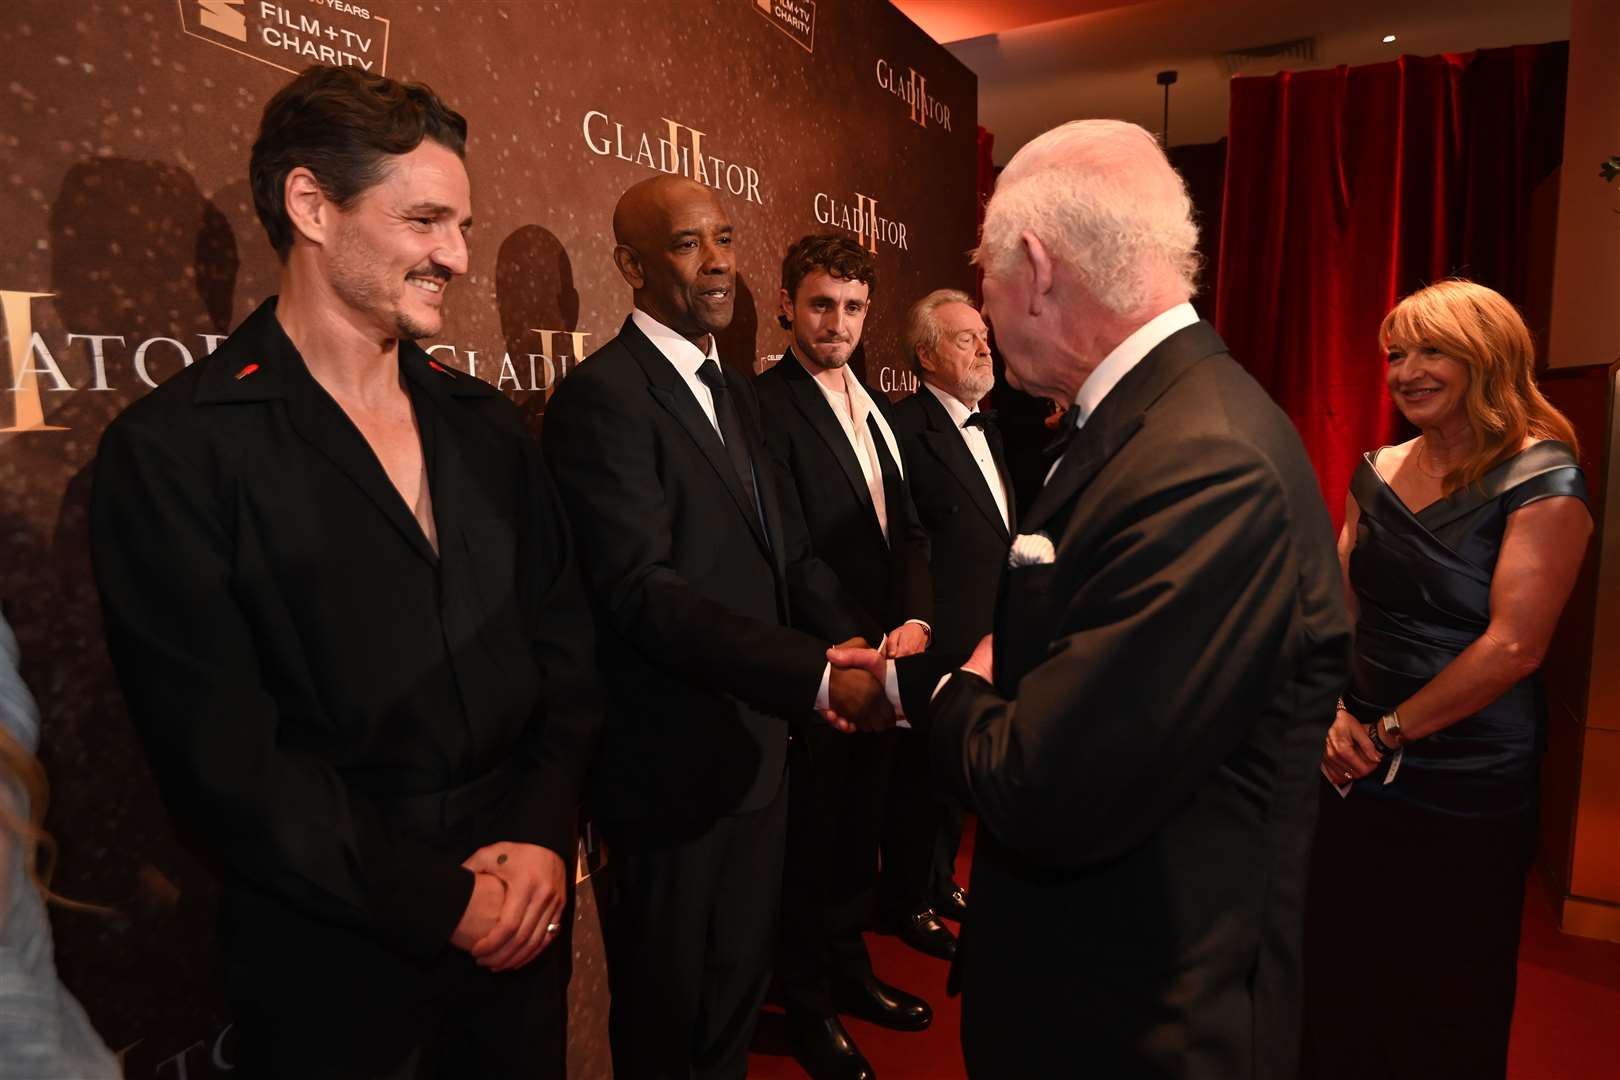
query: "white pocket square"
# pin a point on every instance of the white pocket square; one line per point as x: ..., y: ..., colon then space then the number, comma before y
x: 1031, y: 549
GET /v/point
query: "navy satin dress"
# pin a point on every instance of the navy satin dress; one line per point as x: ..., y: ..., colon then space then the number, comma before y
x: 1423, y: 583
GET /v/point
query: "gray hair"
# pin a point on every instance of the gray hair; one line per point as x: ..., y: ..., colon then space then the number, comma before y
x: 922, y: 325
x: 1105, y: 201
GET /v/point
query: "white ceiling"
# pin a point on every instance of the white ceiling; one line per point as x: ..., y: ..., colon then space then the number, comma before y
x: 1042, y: 62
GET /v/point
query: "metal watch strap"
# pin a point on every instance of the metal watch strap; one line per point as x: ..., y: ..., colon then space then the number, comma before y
x: 1391, y: 723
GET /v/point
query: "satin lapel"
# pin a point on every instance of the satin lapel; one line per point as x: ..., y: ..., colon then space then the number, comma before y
x: 1084, y: 458
x: 1119, y: 416
x: 667, y: 388
x: 451, y: 479
x: 322, y: 423
x: 810, y: 401
x: 764, y: 477
x: 999, y: 455
x: 952, y: 451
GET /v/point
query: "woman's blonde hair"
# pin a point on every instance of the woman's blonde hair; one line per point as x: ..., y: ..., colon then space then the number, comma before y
x: 20, y: 771
x: 1479, y: 328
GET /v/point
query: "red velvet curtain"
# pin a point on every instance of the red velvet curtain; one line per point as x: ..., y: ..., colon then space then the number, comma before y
x: 1346, y: 189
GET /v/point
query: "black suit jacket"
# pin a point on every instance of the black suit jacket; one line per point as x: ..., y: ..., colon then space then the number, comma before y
x: 1145, y: 765
x: 968, y: 540
x: 823, y: 487
x: 299, y: 661
x: 695, y: 599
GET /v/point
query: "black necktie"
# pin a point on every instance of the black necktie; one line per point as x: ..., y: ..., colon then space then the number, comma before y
x: 731, y: 433
x: 1064, y: 435
x: 984, y: 419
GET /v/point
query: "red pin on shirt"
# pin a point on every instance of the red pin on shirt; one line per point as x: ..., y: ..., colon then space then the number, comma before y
x: 245, y: 372
x: 440, y: 368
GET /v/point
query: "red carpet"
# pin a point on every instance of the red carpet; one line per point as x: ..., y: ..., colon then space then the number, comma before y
x: 1566, y: 1025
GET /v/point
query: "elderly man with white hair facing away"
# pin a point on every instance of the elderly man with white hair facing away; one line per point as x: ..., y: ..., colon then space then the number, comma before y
x: 1140, y: 734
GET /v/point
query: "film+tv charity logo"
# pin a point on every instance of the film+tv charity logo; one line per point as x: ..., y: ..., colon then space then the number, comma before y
x: 795, y: 18
x: 292, y: 34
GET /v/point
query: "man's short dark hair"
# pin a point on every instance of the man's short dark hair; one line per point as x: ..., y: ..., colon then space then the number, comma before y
x: 839, y: 256
x: 342, y: 124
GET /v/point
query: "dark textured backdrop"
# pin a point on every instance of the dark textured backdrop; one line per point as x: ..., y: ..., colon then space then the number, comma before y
x: 131, y: 247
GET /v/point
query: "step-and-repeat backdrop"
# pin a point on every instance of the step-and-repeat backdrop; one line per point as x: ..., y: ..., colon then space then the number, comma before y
x: 131, y: 249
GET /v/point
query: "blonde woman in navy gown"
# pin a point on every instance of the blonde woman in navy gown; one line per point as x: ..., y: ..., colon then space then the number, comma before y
x: 1459, y: 549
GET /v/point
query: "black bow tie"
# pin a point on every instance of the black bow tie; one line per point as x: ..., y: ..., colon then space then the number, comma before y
x: 1064, y: 434
x: 984, y: 419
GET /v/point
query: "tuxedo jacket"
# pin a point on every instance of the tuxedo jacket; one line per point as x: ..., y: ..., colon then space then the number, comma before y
x: 697, y: 599
x: 968, y: 540
x: 304, y: 668
x: 823, y: 486
x: 1144, y: 767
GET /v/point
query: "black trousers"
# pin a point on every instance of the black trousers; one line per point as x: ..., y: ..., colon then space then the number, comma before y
x: 314, y: 1000
x: 1435, y: 999
x: 689, y: 925
x: 835, y: 813
x: 921, y: 833
x: 372, y: 1014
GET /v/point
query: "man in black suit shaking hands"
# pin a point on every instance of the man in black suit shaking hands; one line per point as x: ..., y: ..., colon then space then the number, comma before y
x: 844, y: 477
x: 696, y: 577
x: 1140, y: 736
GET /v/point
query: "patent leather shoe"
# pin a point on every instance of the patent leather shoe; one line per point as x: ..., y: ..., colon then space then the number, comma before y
x: 824, y: 1048
x: 877, y: 1002
x: 951, y: 902
x: 923, y: 931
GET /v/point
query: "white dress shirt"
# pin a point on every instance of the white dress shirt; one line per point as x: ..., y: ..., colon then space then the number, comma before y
x: 978, y: 445
x: 1126, y: 355
x: 685, y: 357
x: 852, y: 405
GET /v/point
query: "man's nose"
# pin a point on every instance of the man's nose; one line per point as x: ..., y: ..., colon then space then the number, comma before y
x: 716, y: 258
x: 452, y: 254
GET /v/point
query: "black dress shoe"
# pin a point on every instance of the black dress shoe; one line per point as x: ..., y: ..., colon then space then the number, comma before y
x: 879, y: 1003
x: 951, y: 903
x: 923, y: 931
x: 824, y: 1048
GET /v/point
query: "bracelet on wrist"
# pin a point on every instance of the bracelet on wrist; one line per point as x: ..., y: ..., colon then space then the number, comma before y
x: 1378, y: 743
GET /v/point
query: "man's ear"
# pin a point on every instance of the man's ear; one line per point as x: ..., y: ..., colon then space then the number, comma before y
x: 629, y: 264
x: 784, y: 314
x: 1037, y: 264
x: 308, y: 208
x: 923, y: 362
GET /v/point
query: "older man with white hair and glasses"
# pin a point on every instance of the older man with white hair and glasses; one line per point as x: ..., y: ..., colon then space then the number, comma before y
x: 1139, y: 736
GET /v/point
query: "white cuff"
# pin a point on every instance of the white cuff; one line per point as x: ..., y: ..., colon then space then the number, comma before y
x: 891, y: 687
x: 824, y: 694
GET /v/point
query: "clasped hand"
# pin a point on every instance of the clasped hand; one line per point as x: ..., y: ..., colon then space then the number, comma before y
x: 856, y: 656
x: 519, y: 893
x: 856, y: 700
x: 1349, y: 754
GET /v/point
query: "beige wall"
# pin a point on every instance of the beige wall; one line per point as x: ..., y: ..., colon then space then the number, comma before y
x: 1586, y: 270
x: 1103, y: 63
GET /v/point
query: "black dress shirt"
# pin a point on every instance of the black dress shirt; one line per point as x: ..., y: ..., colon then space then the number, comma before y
x: 318, y: 690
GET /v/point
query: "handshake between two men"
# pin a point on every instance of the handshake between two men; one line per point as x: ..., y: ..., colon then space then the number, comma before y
x: 856, y: 699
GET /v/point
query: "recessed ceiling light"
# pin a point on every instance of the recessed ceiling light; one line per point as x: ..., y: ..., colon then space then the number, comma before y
x: 1389, y: 39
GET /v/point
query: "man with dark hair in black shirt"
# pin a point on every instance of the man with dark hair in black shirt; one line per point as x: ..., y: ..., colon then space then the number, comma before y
x: 342, y: 603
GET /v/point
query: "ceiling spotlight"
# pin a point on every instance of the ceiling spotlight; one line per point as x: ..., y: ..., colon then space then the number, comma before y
x: 1389, y: 39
